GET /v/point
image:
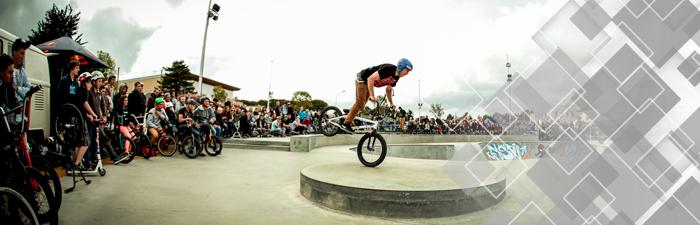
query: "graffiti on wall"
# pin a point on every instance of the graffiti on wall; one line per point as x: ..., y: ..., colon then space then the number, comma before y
x: 533, y: 150
x: 506, y: 151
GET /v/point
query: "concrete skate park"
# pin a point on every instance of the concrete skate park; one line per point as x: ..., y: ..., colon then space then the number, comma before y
x: 310, y: 178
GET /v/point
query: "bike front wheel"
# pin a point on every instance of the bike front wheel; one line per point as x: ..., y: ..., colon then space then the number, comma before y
x: 167, y: 146
x: 371, y: 150
x: 213, y: 146
x: 15, y: 209
x: 191, y: 147
x: 43, y: 197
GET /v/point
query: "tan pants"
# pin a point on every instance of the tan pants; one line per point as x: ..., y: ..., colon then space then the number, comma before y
x: 361, y: 97
x: 402, y: 122
x: 154, y: 135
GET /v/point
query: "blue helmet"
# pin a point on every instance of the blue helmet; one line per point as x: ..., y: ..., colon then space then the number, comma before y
x: 404, y: 63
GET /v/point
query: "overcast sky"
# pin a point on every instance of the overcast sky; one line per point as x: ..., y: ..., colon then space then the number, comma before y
x: 315, y: 45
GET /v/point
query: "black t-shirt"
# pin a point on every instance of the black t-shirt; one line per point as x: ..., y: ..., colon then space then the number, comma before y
x: 387, y: 75
x: 185, y: 114
x: 70, y: 92
x: 402, y: 113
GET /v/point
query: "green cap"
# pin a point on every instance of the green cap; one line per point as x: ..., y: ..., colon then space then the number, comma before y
x: 159, y: 100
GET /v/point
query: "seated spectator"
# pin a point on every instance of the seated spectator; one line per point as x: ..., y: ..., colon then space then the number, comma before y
x: 277, y: 127
x: 244, y: 126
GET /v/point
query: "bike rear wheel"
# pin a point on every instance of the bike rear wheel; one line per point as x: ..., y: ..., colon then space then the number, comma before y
x: 144, y: 146
x: 15, y: 209
x: 167, y: 145
x: 327, y: 128
x: 131, y: 153
x: 371, y: 150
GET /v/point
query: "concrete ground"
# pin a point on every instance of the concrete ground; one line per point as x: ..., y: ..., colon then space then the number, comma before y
x: 236, y: 187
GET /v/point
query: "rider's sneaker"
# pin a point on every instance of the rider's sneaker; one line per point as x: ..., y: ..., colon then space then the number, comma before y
x: 80, y: 167
x: 346, y: 127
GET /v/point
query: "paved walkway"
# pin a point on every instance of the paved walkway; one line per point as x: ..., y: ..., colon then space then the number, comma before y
x: 237, y: 187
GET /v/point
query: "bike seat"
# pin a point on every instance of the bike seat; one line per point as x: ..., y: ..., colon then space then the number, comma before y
x: 346, y: 111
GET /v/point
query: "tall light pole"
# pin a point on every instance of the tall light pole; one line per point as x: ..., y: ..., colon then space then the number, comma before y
x: 212, y: 12
x: 420, y: 100
x: 269, y: 87
x: 510, y: 98
x: 336, y: 98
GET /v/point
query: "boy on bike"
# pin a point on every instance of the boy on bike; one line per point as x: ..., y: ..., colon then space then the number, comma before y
x: 155, y: 117
x: 184, y: 116
x: 378, y: 76
x: 204, y: 116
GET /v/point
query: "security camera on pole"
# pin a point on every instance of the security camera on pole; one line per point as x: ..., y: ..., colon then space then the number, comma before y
x: 213, y: 13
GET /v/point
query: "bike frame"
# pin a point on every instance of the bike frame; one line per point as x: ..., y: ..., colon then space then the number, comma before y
x: 372, y: 125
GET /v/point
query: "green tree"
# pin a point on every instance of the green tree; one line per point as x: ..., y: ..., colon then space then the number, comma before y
x: 450, y: 117
x: 301, y: 99
x: 58, y: 23
x: 174, y: 80
x: 107, y: 59
x: 220, y: 94
x: 437, y: 110
x: 318, y: 104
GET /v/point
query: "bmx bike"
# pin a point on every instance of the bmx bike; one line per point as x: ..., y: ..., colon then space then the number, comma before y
x: 371, y: 149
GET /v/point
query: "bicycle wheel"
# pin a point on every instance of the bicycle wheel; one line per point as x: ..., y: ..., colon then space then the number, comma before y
x: 51, y: 177
x: 370, y: 152
x: 70, y: 125
x: 128, y: 155
x: 45, y: 208
x: 167, y: 146
x: 327, y: 128
x: 15, y: 209
x: 144, y: 146
x: 190, y: 147
x: 213, y: 146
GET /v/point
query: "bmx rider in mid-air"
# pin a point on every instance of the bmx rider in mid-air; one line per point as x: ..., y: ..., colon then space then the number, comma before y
x: 378, y: 76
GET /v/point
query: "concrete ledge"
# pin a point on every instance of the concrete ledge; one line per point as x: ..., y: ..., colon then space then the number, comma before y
x: 423, y: 191
x: 306, y: 143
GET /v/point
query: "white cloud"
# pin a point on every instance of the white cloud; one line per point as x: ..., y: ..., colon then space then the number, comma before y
x: 319, y: 46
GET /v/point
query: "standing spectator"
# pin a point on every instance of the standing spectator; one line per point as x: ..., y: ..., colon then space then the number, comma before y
x: 290, y: 110
x: 137, y: 101
x: 123, y: 91
x: 21, y: 83
x: 402, y: 118
x: 180, y: 103
x: 69, y: 91
x: 109, y: 92
x: 283, y: 110
x: 303, y: 113
x: 97, y: 103
x: 151, y: 100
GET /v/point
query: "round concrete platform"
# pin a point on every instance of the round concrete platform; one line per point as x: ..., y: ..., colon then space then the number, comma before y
x: 410, y: 189
x: 419, y: 151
